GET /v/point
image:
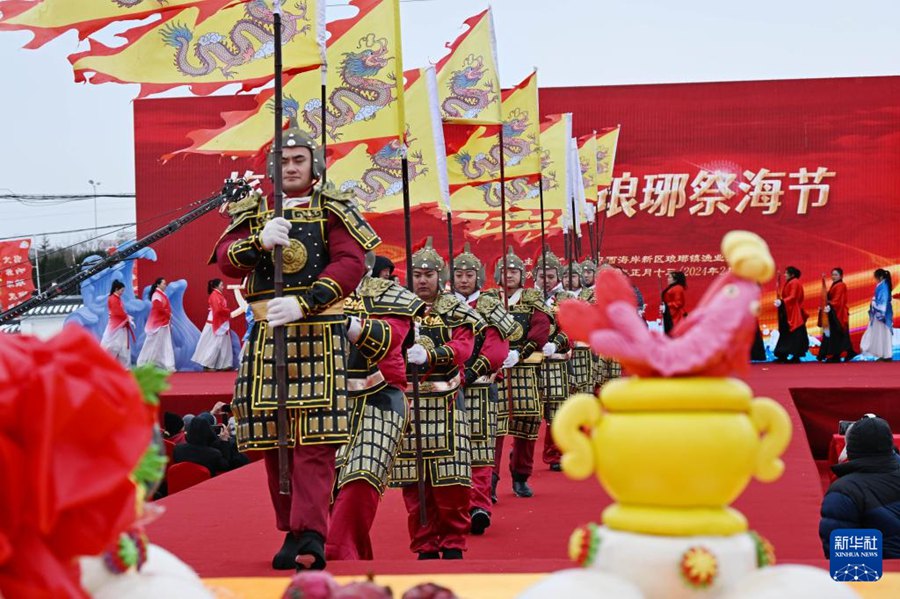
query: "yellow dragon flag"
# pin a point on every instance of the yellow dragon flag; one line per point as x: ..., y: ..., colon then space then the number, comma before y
x: 556, y: 130
x: 48, y: 19
x: 468, y: 78
x: 371, y: 170
x: 521, y: 129
x: 234, y: 45
x: 587, y: 161
x: 607, y: 144
x: 365, y: 99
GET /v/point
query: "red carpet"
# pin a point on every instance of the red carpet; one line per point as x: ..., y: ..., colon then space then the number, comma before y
x: 225, y: 527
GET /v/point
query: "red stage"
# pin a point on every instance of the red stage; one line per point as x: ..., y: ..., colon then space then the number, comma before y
x: 224, y: 527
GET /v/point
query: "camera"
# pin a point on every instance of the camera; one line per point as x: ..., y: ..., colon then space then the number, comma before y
x: 227, y: 408
x: 218, y: 428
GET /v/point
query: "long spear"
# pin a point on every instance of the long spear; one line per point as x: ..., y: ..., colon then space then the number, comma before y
x: 278, y: 333
x: 414, y: 368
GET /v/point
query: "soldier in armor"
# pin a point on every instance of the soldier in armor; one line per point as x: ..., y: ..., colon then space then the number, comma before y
x: 325, y: 239
x: 380, y: 331
x: 519, y: 415
x: 572, y: 278
x: 445, y: 338
x: 490, y: 354
x: 555, y: 378
x: 588, y: 276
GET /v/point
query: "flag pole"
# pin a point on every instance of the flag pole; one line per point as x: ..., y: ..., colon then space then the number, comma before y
x: 284, y: 475
x: 413, y: 368
x: 450, y: 249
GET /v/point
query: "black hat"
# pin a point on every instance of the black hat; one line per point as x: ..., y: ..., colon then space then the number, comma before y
x: 869, y: 436
x: 173, y: 423
x: 382, y: 262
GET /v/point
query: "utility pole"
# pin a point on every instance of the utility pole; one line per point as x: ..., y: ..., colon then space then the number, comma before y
x: 94, y: 184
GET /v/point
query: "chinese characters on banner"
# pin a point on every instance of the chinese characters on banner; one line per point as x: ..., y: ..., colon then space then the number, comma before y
x: 15, y: 273
x: 656, y: 266
x: 717, y: 192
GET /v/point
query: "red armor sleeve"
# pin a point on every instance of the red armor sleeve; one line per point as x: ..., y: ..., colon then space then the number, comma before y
x: 495, y: 348
x: 538, y: 333
x: 393, y: 365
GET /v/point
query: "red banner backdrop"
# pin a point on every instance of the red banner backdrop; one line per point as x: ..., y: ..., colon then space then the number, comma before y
x: 15, y: 273
x: 811, y: 165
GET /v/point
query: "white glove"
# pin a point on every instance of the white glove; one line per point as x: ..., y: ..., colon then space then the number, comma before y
x: 777, y: 303
x: 549, y: 349
x: 417, y: 354
x: 827, y: 309
x: 276, y: 232
x: 283, y: 310
x: 354, y: 329
x: 511, y: 359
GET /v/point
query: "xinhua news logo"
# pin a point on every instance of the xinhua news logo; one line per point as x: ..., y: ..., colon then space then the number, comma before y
x: 856, y: 555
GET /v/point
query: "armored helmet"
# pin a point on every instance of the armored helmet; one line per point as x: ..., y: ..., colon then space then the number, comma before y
x: 466, y: 260
x: 428, y: 258
x: 295, y: 137
x: 511, y: 261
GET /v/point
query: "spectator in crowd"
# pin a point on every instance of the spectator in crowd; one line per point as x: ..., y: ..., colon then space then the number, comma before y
x: 174, y: 428
x: 200, y: 449
x: 867, y: 491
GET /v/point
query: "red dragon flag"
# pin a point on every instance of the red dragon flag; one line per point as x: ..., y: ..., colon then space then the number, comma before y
x: 48, y: 19
x: 234, y: 45
x: 364, y: 82
x: 468, y: 77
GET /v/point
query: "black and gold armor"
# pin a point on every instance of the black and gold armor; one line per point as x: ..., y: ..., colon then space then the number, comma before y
x: 317, y: 350
x: 444, y: 426
x: 380, y: 412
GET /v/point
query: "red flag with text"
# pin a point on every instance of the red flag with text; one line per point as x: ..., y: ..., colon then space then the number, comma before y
x: 15, y: 273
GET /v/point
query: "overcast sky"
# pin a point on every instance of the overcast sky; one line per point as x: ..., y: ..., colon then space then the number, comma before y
x: 58, y: 135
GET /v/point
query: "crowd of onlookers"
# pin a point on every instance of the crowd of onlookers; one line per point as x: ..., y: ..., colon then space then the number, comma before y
x: 206, y: 439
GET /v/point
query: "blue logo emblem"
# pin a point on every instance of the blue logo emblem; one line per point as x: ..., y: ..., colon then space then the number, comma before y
x: 856, y: 555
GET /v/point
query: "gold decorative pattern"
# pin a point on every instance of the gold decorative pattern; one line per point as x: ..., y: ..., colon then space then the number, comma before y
x: 295, y: 257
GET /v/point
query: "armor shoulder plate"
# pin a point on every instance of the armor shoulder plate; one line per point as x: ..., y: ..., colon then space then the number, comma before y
x: 534, y: 299
x: 491, y: 310
x: 456, y: 313
x: 381, y: 296
x: 346, y: 210
x: 241, y: 212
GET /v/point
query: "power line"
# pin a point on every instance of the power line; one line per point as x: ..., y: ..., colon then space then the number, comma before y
x: 120, y: 225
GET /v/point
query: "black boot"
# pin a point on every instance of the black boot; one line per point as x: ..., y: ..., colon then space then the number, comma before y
x: 481, y: 520
x: 310, y: 551
x: 284, y: 559
x: 494, y: 480
x: 452, y: 554
x: 520, y: 486
x: 555, y: 467
x: 423, y: 555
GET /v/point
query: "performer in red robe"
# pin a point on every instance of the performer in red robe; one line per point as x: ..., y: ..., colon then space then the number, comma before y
x: 483, y: 368
x: 214, y: 351
x: 158, y: 349
x: 673, y: 300
x: 836, y: 341
x: 380, y: 331
x: 325, y: 240
x: 444, y: 342
x: 793, y: 340
x: 118, y: 335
